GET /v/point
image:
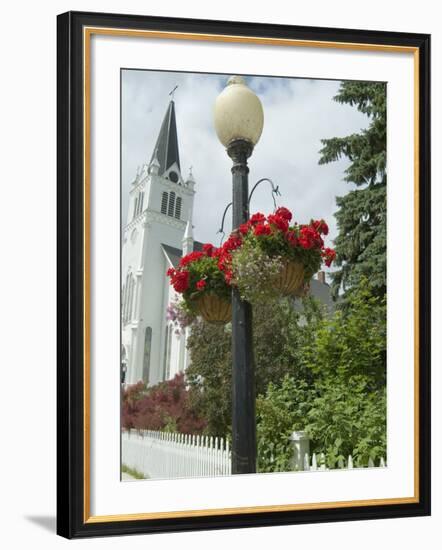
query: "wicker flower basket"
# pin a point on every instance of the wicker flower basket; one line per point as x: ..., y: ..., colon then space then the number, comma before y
x: 290, y: 280
x: 214, y: 309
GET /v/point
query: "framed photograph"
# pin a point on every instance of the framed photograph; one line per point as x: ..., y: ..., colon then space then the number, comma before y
x: 243, y: 274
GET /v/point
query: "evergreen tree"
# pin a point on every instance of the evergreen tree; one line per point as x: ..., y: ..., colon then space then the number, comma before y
x: 362, y: 213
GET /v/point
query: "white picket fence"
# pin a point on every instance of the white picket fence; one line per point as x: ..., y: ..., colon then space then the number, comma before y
x: 317, y: 463
x: 163, y: 455
x: 303, y: 460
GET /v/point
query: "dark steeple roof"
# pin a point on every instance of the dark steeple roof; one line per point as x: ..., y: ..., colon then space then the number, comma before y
x: 166, y: 148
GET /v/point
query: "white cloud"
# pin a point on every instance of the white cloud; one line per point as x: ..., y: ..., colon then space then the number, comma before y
x: 298, y: 114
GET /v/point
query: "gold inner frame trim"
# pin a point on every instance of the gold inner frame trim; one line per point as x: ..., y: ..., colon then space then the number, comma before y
x: 87, y: 33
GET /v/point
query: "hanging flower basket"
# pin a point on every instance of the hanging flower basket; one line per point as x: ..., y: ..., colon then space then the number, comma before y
x: 204, y: 287
x: 214, y: 310
x: 290, y: 280
x: 276, y: 257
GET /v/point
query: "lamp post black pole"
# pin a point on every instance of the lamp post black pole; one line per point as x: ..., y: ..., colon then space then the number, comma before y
x: 243, y: 372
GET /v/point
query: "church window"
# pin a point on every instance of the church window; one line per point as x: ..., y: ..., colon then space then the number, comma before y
x: 164, y: 198
x: 140, y: 203
x: 123, y: 303
x: 135, y: 207
x: 173, y: 176
x: 128, y: 297
x: 171, y: 205
x: 167, y: 352
x: 171, y: 208
x: 146, y: 355
x: 178, y: 208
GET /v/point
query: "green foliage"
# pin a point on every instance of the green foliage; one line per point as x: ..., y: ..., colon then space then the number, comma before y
x: 209, y: 375
x: 314, y: 372
x: 361, y: 216
x: 132, y: 472
x: 279, y: 412
x: 351, y: 344
x: 276, y: 351
x: 348, y: 418
x: 343, y: 408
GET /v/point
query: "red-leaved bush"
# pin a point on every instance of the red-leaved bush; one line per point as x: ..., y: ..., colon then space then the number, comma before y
x: 166, y: 406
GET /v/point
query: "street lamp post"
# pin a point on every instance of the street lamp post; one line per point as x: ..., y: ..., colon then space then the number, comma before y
x: 239, y: 120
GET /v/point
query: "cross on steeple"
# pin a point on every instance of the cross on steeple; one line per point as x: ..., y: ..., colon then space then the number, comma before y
x: 172, y: 93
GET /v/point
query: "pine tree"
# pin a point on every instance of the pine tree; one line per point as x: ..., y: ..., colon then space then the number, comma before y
x: 362, y: 213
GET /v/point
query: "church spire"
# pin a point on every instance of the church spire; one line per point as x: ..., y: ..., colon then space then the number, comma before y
x: 166, y: 148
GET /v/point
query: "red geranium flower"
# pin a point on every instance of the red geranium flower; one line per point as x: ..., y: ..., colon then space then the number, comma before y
x: 292, y: 238
x: 284, y: 213
x: 224, y: 261
x: 208, y: 249
x: 262, y: 229
x: 228, y: 276
x: 244, y: 228
x: 201, y: 284
x: 281, y: 223
x: 193, y: 256
x: 329, y: 256
x: 257, y: 218
x: 181, y: 281
x: 320, y: 226
x: 309, y: 238
x: 170, y: 272
x: 232, y: 243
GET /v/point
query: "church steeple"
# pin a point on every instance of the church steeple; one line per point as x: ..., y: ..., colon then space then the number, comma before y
x: 166, y: 148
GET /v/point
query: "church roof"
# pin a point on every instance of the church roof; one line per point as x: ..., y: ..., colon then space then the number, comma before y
x: 175, y: 254
x: 166, y: 148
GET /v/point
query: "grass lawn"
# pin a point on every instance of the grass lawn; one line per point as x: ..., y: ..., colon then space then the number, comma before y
x: 133, y: 472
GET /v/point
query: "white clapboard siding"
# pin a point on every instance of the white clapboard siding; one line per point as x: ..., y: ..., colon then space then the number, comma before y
x: 163, y: 455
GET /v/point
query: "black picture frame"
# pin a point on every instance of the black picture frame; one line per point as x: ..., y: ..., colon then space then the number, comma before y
x: 72, y: 520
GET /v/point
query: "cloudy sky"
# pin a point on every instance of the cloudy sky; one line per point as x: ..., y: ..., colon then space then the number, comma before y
x: 298, y: 113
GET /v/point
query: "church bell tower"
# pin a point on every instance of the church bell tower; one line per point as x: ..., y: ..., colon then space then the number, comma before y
x: 160, y: 207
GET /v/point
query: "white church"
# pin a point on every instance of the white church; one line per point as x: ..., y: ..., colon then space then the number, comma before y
x: 157, y: 234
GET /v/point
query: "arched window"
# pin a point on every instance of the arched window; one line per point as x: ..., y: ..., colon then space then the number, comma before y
x: 123, y: 302
x: 146, y: 355
x: 128, y: 298
x: 140, y: 202
x: 164, y: 199
x: 178, y: 208
x: 167, y: 350
x: 171, y: 207
x: 131, y: 299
